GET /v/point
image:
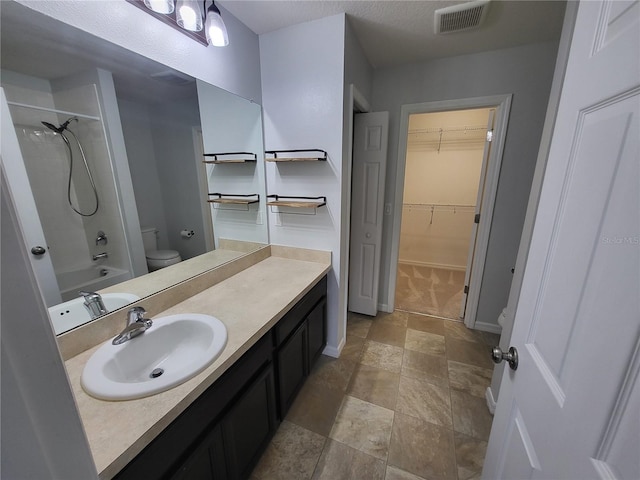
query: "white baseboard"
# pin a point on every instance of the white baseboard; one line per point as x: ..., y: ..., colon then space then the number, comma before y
x: 488, y: 327
x: 334, y: 351
x: 444, y: 266
x: 491, y: 402
x: 383, y: 307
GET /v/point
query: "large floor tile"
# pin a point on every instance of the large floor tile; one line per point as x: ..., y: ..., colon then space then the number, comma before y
x: 473, y: 353
x: 460, y: 331
x: 470, y: 415
x: 293, y: 453
x: 425, y: 323
x: 424, y: 342
x: 341, y: 462
x: 332, y: 372
x: 352, y: 349
x: 358, y: 325
x: 394, y: 473
x: 315, y: 408
x: 470, y: 453
x: 364, y: 426
x: 469, y: 378
x: 387, y: 333
x: 422, y: 448
x: 375, y: 385
x: 381, y: 355
x: 425, y: 401
x: 430, y: 368
x: 397, y: 318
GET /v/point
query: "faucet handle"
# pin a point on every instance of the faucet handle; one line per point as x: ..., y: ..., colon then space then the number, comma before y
x: 88, y: 295
x: 135, y: 314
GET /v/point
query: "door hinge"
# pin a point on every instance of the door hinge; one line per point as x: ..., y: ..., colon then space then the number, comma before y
x: 476, y: 219
x: 466, y: 289
x: 489, y: 135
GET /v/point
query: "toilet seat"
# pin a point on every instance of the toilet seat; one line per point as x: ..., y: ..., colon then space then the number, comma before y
x: 157, y: 259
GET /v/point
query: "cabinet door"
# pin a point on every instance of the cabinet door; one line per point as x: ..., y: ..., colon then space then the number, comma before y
x: 249, y: 425
x: 317, y: 331
x: 292, y: 367
x: 207, y: 462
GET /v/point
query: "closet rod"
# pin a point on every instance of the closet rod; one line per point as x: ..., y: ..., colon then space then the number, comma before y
x: 474, y: 128
x: 53, y: 110
x: 429, y: 205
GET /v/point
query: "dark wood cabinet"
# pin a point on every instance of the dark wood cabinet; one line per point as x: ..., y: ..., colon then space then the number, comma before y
x: 293, y: 368
x: 249, y: 425
x: 297, y: 353
x: 223, y: 433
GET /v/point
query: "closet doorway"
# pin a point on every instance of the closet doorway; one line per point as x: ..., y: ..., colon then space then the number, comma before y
x: 446, y: 161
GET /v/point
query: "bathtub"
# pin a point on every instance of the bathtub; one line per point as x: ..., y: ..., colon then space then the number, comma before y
x: 90, y: 279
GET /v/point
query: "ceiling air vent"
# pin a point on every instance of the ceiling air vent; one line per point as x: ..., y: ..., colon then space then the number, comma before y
x: 457, y: 18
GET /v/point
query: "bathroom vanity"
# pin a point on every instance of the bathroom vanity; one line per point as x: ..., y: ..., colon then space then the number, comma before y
x: 217, y: 424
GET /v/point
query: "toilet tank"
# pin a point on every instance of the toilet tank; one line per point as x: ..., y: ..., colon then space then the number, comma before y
x: 149, y: 239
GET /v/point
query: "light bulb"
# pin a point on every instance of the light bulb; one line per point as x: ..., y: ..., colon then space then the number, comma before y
x: 215, y: 29
x: 160, y: 6
x: 188, y: 15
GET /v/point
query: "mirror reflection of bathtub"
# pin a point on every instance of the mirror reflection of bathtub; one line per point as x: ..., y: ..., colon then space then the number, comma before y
x: 91, y: 278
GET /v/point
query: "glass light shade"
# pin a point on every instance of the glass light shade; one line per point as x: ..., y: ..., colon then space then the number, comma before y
x: 160, y: 6
x: 215, y: 29
x: 188, y: 15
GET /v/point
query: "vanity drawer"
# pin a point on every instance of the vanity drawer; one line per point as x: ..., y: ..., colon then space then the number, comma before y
x: 288, y: 324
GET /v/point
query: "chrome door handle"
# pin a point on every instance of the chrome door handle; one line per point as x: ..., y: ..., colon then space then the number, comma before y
x: 497, y: 355
x: 38, y: 250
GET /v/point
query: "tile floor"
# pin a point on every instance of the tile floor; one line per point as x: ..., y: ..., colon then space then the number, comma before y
x: 405, y: 401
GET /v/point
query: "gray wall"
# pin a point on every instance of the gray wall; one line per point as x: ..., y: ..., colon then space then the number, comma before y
x: 302, y: 69
x: 526, y: 72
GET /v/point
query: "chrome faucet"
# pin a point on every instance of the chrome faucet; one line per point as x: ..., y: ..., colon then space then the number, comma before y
x: 94, y: 304
x: 136, y: 325
x: 101, y: 238
x: 100, y: 256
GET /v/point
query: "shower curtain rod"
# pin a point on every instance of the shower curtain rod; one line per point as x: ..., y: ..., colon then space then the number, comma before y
x: 53, y: 110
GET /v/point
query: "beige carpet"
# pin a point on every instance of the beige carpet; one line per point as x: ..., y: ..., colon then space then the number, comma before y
x: 432, y: 291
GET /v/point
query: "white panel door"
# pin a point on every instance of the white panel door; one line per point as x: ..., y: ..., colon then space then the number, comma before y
x: 571, y: 410
x: 479, y: 196
x: 370, y: 135
x: 20, y: 189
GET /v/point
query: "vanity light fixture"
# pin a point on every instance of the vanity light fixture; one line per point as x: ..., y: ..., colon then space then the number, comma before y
x: 215, y: 28
x: 188, y: 16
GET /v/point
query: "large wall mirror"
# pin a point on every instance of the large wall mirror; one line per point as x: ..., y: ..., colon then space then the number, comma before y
x: 136, y: 133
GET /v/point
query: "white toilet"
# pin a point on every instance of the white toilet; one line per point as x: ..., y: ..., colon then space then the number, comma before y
x: 157, y: 259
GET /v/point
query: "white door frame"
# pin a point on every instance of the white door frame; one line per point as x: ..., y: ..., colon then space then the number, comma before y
x: 502, y: 104
x: 201, y: 171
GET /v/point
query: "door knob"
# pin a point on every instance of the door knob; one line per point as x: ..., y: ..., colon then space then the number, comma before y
x: 497, y: 355
x: 368, y: 235
x: 38, y: 250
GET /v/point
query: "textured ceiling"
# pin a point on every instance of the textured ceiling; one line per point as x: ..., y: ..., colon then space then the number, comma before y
x: 394, y: 32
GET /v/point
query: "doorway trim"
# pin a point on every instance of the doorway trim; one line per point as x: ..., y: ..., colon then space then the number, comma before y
x: 502, y: 104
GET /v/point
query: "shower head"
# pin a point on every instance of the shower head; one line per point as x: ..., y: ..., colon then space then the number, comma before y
x: 53, y: 127
x: 62, y: 127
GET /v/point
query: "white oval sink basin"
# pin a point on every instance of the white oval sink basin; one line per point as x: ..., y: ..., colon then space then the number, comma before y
x: 71, y: 314
x: 174, y: 349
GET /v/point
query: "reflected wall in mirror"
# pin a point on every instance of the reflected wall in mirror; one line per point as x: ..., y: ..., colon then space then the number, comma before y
x: 138, y: 126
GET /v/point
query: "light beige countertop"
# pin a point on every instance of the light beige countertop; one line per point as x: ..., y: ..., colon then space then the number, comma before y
x: 249, y: 303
